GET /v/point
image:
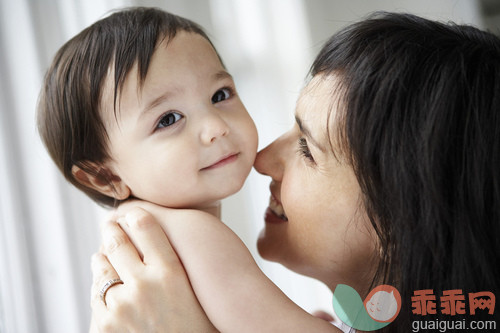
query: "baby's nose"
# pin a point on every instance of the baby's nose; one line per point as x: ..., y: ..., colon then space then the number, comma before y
x: 213, y: 127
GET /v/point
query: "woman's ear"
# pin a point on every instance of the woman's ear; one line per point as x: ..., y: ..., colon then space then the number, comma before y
x: 103, y: 181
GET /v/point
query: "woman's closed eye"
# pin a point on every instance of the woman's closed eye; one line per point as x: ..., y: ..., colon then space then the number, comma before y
x: 168, y: 119
x: 222, y: 95
x: 304, y: 150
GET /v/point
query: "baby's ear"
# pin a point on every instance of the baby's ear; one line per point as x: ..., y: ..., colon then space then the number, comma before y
x: 102, y: 180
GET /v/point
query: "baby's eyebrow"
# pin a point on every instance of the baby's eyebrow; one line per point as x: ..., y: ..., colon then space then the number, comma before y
x: 221, y: 75
x: 158, y: 100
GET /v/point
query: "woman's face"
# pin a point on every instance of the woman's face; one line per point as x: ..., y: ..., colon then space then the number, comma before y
x: 315, y: 222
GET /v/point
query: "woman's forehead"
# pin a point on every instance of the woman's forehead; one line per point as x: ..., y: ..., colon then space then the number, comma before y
x: 317, y: 101
x: 322, y: 90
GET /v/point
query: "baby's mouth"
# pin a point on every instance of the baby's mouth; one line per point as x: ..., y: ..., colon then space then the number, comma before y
x: 229, y: 158
x: 276, y: 207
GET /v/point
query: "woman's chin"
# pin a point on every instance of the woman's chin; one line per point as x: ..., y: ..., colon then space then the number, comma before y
x: 267, y: 248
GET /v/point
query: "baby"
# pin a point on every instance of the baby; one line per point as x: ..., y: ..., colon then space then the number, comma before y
x: 139, y: 105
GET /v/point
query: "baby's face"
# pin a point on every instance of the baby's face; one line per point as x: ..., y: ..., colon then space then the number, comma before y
x: 183, y: 140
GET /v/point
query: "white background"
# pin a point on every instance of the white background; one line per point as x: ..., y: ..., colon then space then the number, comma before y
x: 48, y: 230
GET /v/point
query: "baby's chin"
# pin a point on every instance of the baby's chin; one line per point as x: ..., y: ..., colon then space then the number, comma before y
x: 231, y: 187
x: 206, y: 198
x: 221, y: 194
x: 212, y: 200
x: 218, y: 195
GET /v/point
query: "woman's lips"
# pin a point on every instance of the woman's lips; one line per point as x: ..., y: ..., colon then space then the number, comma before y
x: 275, y: 212
x: 271, y: 217
x: 223, y: 161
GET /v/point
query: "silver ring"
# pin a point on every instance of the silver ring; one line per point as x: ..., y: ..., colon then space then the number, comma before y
x: 106, y: 287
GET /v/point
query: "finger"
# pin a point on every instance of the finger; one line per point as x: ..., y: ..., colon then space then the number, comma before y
x: 120, y: 252
x: 150, y: 238
x: 103, y: 272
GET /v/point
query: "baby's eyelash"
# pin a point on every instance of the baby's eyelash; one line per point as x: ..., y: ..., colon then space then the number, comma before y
x: 227, y: 93
x: 232, y: 90
x: 304, y: 149
x: 168, y: 119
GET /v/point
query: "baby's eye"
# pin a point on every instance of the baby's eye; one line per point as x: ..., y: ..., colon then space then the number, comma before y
x: 221, y: 95
x: 169, y: 119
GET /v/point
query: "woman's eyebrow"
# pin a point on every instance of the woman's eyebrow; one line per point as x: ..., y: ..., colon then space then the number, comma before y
x: 308, y: 134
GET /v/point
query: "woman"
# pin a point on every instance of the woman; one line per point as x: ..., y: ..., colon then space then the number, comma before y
x: 396, y: 181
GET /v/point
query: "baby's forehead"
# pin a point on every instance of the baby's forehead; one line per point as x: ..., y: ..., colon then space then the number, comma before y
x: 119, y: 74
x: 165, y: 74
x: 113, y: 90
x: 108, y: 103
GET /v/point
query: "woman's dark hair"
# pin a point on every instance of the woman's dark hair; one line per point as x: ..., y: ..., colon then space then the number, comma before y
x: 68, y: 118
x: 421, y: 125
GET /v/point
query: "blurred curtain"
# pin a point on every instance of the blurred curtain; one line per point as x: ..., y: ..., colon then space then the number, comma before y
x: 48, y: 230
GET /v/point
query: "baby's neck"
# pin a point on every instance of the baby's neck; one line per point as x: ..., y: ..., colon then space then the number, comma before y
x: 213, y: 209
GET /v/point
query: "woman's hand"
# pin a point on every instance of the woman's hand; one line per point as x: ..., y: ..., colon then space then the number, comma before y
x: 156, y: 295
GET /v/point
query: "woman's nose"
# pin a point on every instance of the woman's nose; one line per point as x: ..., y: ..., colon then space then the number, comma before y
x: 271, y: 160
x: 213, y: 127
